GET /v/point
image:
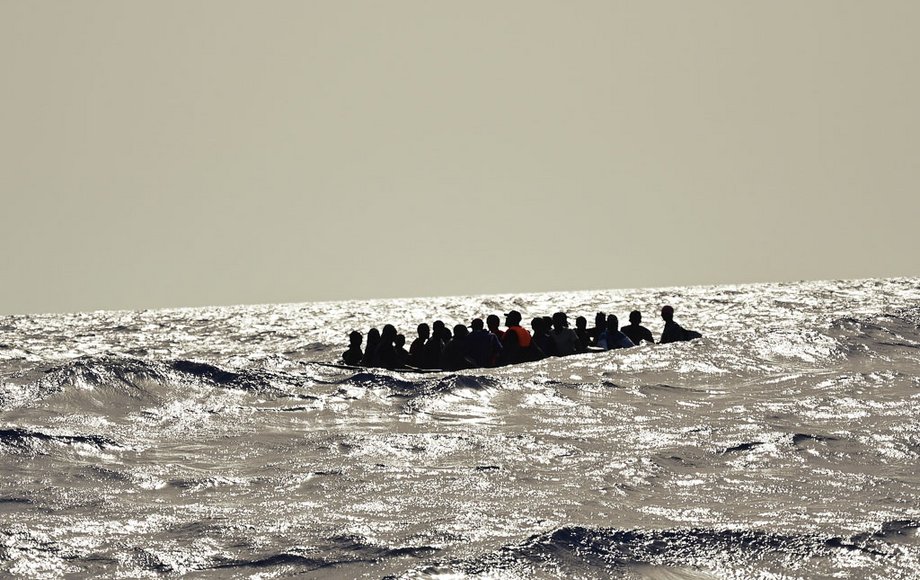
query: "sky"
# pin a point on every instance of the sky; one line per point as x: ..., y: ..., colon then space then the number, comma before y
x: 173, y: 153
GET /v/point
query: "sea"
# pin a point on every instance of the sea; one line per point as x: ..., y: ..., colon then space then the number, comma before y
x: 215, y: 443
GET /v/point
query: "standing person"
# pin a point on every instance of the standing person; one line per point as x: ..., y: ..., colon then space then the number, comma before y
x: 565, y: 341
x: 353, y: 355
x: 613, y: 338
x: 417, y: 348
x: 517, y: 344
x: 373, y: 338
x: 635, y: 331
x: 674, y: 332
x: 484, y: 347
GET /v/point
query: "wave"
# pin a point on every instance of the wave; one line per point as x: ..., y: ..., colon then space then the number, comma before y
x: 897, y: 330
x: 116, y: 385
x: 408, y: 385
x: 131, y: 373
x: 571, y: 550
x: 339, y: 551
x: 26, y: 440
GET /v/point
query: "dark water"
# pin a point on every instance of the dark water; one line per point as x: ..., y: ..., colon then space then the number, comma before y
x: 208, y: 443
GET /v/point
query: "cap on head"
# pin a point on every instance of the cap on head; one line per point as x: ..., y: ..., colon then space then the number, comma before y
x: 513, y: 317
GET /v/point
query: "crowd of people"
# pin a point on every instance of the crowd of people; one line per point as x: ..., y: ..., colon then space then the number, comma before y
x: 485, y: 344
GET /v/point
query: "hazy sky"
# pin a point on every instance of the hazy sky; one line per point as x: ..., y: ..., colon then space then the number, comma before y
x: 182, y: 153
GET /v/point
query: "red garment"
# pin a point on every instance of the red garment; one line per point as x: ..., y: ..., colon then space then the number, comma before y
x: 523, y: 337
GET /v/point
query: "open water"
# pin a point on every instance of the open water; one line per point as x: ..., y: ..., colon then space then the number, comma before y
x: 207, y: 443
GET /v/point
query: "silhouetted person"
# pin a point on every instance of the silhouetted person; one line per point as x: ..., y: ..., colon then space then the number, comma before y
x: 635, y: 331
x: 385, y: 354
x: 581, y: 330
x: 674, y: 332
x: 455, y: 357
x: 613, y: 338
x: 517, y: 345
x: 600, y: 325
x: 565, y: 341
x: 373, y: 339
x: 434, y: 346
x: 483, y: 346
x: 402, y: 355
x: 353, y: 355
x: 541, y: 337
x: 417, y: 349
x: 492, y: 321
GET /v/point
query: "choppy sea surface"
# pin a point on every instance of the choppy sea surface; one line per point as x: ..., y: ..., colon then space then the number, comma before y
x: 208, y: 443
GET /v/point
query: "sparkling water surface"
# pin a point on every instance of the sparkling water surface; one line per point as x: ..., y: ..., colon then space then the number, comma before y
x: 207, y: 442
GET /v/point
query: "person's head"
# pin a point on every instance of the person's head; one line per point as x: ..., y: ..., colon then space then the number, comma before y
x: 667, y: 313
x: 613, y: 323
x: 400, y: 340
x: 560, y: 321
x: 373, y: 335
x: 513, y: 318
x: 581, y: 323
x: 635, y: 317
x: 460, y: 331
x: 423, y: 331
x: 437, y: 329
x: 389, y: 333
x: 355, y: 338
x: 600, y: 320
x: 537, y: 325
x: 476, y: 324
x: 492, y: 321
x: 547, y: 323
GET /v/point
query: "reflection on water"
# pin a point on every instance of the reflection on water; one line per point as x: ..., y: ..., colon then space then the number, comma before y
x: 206, y: 441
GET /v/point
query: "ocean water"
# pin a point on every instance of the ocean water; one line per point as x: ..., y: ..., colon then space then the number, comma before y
x: 208, y: 443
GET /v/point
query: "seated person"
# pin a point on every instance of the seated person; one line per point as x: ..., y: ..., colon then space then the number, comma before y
x: 518, y: 345
x: 353, y: 355
x: 455, y: 356
x: 613, y: 338
x: 402, y: 355
x: 581, y: 329
x: 565, y: 341
x: 635, y: 331
x: 484, y: 347
x: 674, y: 332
